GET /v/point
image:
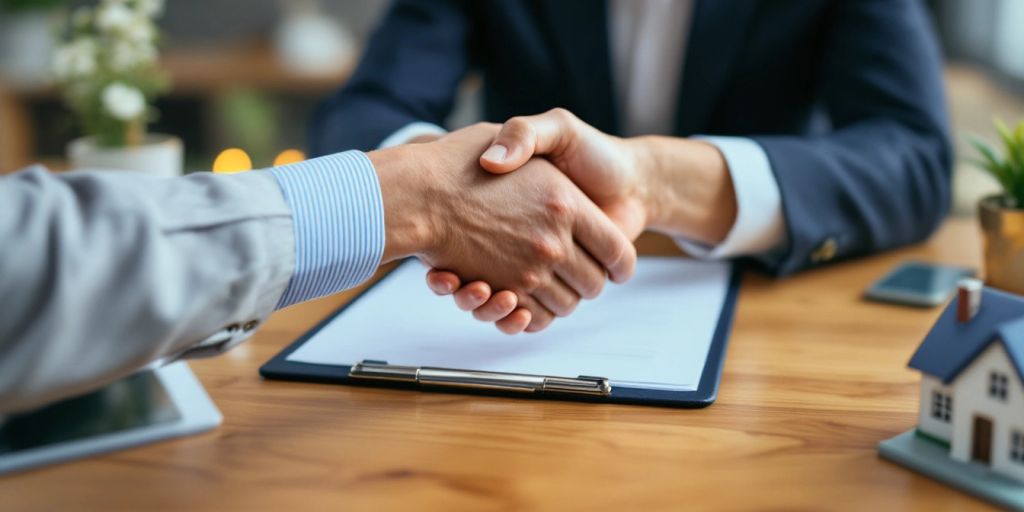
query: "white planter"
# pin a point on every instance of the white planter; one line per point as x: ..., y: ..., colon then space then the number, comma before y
x: 160, y: 155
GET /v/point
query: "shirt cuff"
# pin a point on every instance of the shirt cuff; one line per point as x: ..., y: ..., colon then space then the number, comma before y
x: 760, y: 226
x: 338, y: 214
x: 411, y: 131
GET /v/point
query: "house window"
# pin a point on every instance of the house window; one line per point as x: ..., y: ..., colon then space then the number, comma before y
x: 1017, y: 446
x: 942, y: 406
x: 997, y: 385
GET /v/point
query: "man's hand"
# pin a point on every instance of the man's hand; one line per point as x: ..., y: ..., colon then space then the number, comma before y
x: 674, y: 185
x: 531, y: 232
x: 606, y: 168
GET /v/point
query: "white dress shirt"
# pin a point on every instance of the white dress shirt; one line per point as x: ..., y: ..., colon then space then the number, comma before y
x: 649, y: 39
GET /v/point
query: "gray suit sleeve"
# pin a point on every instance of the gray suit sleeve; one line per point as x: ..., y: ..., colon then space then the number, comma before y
x: 104, y: 273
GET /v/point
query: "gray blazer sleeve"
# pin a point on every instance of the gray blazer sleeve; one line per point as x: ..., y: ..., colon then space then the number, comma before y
x: 103, y: 273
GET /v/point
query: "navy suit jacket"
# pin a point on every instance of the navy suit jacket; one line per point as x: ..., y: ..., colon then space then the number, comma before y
x: 845, y: 97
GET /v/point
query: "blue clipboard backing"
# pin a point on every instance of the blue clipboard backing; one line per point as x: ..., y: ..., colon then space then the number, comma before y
x: 280, y: 368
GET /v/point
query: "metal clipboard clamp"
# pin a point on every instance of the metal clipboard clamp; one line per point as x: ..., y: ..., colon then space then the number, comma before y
x: 449, y: 377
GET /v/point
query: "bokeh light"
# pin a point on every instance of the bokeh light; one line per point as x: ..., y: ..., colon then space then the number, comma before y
x: 232, y: 160
x: 289, y: 156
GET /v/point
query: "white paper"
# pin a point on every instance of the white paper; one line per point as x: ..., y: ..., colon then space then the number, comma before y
x: 652, y: 332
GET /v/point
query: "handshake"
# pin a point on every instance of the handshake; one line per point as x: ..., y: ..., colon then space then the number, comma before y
x: 536, y: 214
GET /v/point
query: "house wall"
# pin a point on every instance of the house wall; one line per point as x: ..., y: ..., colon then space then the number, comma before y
x: 971, y: 398
x: 925, y: 422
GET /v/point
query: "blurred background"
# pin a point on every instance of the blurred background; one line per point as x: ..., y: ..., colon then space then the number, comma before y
x: 247, y: 74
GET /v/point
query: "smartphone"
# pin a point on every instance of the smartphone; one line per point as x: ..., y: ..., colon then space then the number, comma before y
x: 916, y: 283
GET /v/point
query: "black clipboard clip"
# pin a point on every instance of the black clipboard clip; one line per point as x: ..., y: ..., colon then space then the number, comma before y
x: 449, y: 377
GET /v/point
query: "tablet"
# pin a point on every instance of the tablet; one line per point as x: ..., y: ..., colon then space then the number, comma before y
x: 149, y: 406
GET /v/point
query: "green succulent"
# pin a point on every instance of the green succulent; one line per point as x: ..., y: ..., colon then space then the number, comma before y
x: 1008, y: 167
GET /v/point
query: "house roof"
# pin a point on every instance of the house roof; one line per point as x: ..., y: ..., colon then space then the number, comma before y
x: 1012, y: 334
x: 951, y: 346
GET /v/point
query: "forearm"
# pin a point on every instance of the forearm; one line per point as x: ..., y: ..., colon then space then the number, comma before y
x: 108, y: 272
x: 879, y: 177
x: 687, y: 187
x: 405, y: 176
x: 867, y: 188
x: 119, y: 270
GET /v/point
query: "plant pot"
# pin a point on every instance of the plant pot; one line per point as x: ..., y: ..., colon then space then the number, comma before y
x: 1004, y: 244
x: 159, y: 155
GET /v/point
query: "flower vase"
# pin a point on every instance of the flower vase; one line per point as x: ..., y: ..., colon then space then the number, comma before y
x: 158, y: 155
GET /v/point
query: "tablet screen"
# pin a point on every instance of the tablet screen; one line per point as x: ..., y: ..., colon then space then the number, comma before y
x: 135, y: 402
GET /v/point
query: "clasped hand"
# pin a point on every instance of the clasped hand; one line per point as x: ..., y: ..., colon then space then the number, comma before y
x: 532, y: 243
x: 605, y: 195
x: 531, y: 233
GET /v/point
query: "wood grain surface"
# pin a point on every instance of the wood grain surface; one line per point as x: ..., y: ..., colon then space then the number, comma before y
x: 814, y: 378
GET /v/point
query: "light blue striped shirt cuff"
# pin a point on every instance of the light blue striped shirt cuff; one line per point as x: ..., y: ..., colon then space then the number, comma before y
x: 338, y: 215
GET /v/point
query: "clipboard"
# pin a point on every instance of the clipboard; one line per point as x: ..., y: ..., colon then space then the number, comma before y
x: 597, y: 389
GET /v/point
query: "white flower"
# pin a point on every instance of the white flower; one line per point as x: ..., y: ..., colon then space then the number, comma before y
x: 125, y: 55
x: 75, y: 59
x: 114, y: 16
x: 151, y: 8
x: 123, y: 102
x: 141, y: 30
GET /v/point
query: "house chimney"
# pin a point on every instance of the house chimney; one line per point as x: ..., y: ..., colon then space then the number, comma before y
x: 968, y: 299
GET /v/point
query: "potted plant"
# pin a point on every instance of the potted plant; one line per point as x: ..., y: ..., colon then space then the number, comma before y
x: 108, y: 70
x: 1002, y: 215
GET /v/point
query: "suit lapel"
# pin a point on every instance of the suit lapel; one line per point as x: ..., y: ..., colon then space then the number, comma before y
x: 579, y: 30
x: 716, y: 36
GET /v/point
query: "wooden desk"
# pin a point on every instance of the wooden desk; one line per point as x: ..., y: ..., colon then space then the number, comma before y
x: 813, y: 380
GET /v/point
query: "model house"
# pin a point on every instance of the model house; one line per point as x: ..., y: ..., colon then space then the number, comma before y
x: 972, y: 384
